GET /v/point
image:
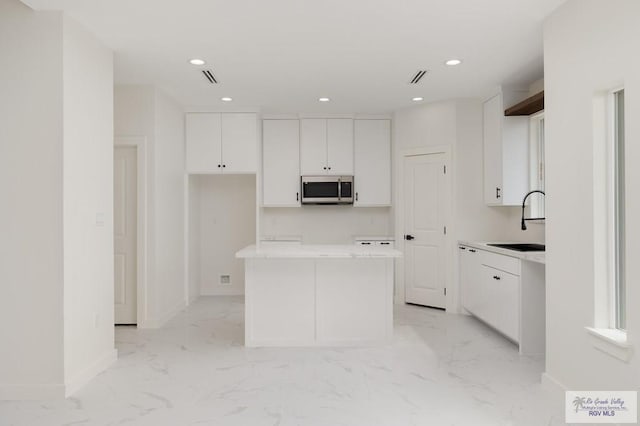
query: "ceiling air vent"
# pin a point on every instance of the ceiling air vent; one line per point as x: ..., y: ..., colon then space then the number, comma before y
x: 210, y: 76
x: 417, y: 76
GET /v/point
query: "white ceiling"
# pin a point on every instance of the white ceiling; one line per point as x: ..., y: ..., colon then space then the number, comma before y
x: 281, y: 55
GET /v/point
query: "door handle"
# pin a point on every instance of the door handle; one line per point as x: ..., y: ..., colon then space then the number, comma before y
x: 409, y: 237
x: 495, y: 277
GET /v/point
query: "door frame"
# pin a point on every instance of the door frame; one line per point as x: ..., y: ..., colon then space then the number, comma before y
x: 449, y: 219
x: 140, y: 143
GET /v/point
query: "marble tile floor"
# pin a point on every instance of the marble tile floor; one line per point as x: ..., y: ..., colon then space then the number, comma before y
x: 440, y: 370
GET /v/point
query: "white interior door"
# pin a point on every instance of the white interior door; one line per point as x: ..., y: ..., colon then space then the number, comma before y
x: 426, y: 196
x: 125, y: 231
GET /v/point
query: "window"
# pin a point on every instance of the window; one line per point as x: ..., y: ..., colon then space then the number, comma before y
x: 536, y: 165
x: 617, y: 222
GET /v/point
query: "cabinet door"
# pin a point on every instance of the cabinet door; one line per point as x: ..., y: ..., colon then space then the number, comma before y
x: 469, y: 275
x: 353, y: 300
x: 507, y: 290
x: 313, y: 146
x: 372, y: 177
x: 493, y: 116
x: 340, y: 146
x: 487, y: 296
x: 203, y: 143
x: 239, y: 143
x: 280, y: 163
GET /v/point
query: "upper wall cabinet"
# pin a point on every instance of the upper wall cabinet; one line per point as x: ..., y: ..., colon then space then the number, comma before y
x: 221, y: 143
x: 326, y: 146
x: 280, y: 163
x: 506, y: 167
x: 372, y: 181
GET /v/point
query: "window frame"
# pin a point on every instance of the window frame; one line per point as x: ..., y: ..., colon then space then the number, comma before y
x: 616, y: 210
x: 537, y: 163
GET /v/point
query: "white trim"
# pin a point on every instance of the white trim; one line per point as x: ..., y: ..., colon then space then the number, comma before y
x: 611, y: 341
x: 188, y: 297
x: 31, y: 392
x: 140, y: 143
x: 83, y: 377
x: 552, y: 386
x: 451, y: 298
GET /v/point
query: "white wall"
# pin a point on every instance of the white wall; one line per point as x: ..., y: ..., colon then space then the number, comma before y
x: 590, y: 47
x: 144, y: 111
x: 169, y: 205
x: 88, y: 205
x: 31, y: 267
x: 56, y: 300
x: 226, y: 223
x: 327, y: 224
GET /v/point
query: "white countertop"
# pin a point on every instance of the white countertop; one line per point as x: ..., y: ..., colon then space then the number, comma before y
x: 531, y: 256
x: 315, y: 251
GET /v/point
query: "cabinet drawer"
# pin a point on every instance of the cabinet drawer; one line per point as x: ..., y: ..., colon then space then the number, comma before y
x: 500, y: 261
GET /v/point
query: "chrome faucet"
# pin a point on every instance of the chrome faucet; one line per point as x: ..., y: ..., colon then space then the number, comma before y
x: 523, y: 225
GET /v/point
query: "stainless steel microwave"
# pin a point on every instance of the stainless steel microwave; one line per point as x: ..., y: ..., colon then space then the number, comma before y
x: 327, y: 189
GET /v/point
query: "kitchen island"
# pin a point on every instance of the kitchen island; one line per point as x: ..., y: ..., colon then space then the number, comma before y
x: 318, y: 295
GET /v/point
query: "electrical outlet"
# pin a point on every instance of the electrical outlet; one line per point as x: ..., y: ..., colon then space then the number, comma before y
x: 225, y: 279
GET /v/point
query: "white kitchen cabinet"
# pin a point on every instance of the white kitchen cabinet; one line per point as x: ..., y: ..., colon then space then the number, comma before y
x: 203, y: 142
x: 506, y: 166
x: 326, y: 146
x: 470, y: 291
x: 280, y: 163
x: 221, y: 143
x: 372, y: 177
x: 239, y: 143
x: 490, y: 287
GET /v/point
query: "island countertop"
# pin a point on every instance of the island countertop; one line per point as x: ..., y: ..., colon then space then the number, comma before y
x: 317, y: 251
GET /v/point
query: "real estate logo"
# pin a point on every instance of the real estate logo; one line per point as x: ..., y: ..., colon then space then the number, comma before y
x: 601, y: 407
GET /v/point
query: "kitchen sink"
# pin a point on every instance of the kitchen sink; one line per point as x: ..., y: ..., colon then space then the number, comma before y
x: 520, y: 246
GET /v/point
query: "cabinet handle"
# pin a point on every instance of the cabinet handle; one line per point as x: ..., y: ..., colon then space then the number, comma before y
x: 365, y: 243
x: 297, y: 196
x: 472, y: 250
x: 462, y: 248
x: 497, y: 192
x: 329, y: 168
x: 356, y: 196
x: 224, y: 165
x: 219, y: 165
x: 495, y: 277
x: 385, y: 243
x: 324, y: 168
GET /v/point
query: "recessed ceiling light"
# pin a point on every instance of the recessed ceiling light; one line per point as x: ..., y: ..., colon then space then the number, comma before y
x: 323, y: 99
x: 226, y: 99
x: 417, y: 99
x: 197, y: 62
x: 452, y: 62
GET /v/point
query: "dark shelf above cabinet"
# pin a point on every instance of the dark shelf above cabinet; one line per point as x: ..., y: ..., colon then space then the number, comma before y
x: 529, y: 106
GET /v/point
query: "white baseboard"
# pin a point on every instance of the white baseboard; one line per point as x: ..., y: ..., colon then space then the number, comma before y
x: 82, y: 378
x: 164, y: 318
x: 552, y: 386
x: 31, y: 392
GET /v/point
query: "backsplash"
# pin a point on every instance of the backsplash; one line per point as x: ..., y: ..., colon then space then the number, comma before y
x: 326, y: 224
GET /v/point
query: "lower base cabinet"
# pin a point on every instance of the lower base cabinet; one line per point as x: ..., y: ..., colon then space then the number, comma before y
x: 490, y: 286
x: 318, y: 302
